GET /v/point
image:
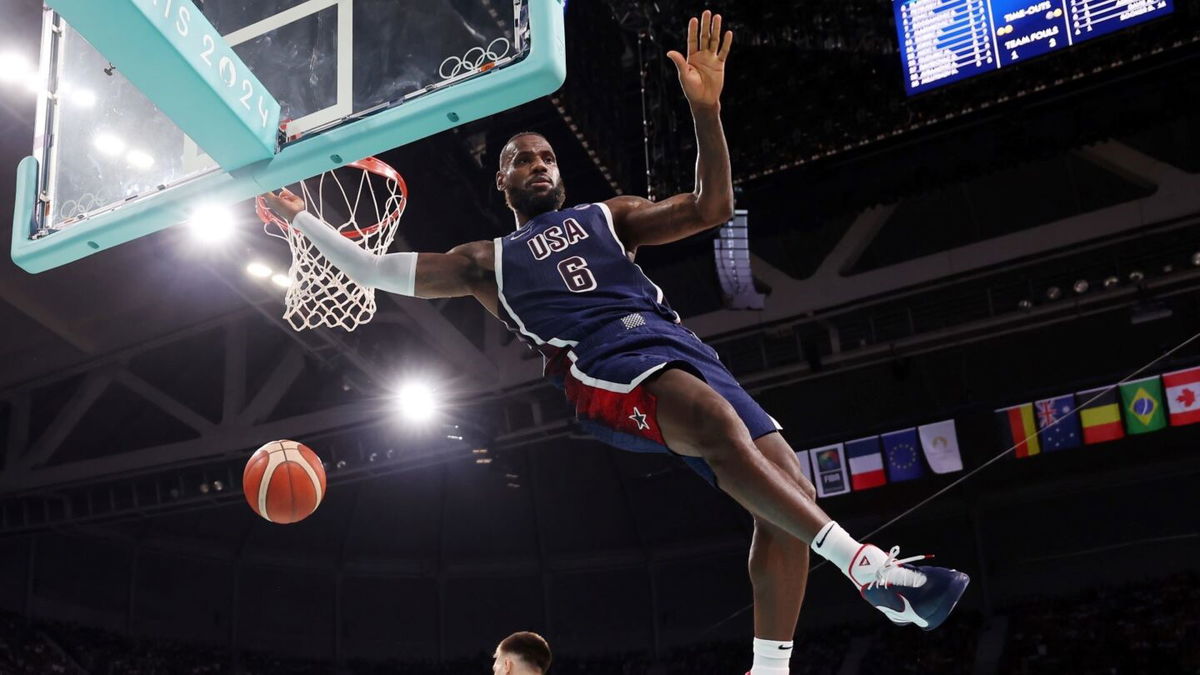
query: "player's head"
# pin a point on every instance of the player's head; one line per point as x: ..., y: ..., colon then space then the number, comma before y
x: 529, y: 176
x: 522, y: 653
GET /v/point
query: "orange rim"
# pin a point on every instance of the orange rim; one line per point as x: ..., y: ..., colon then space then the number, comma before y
x: 370, y: 164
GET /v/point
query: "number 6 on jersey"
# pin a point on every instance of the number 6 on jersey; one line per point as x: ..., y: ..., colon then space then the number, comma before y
x: 576, y: 275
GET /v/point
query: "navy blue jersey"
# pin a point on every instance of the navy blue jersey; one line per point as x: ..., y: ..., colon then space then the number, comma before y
x: 565, y: 274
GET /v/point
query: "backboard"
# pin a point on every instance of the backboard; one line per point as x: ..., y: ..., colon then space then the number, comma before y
x: 352, y: 78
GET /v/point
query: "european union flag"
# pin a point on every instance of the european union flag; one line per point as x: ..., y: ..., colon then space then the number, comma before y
x: 903, y: 455
x: 1058, y: 425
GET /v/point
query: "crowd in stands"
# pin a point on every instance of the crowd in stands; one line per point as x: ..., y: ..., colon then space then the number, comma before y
x: 25, y: 649
x: 1146, y: 628
x: 1151, y: 627
x: 950, y: 650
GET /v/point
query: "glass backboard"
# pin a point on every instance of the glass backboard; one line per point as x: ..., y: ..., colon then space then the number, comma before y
x: 352, y: 78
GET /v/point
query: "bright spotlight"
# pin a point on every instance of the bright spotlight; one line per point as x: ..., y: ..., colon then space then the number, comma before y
x: 13, y: 67
x: 211, y: 224
x: 281, y: 280
x: 33, y: 82
x: 416, y: 401
x: 259, y: 270
x: 84, y: 98
x: 108, y: 143
x: 139, y: 160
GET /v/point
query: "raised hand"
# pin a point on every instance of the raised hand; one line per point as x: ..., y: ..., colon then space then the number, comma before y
x: 285, y: 204
x: 702, y: 73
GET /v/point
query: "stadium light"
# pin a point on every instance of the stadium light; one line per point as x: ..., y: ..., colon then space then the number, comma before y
x: 108, y: 143
x: 416, y: 401
x: 211, y: 224
x: 85, y: 98
x: 281, y: 280
x: 258, y: 270
x: 14, y: 67
x: 139, y: 160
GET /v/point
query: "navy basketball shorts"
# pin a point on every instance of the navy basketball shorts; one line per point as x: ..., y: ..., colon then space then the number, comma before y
x: 603, y: 378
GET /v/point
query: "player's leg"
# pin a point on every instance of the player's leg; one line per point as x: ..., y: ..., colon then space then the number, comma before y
x: 778, y: 561
x: 697, y: 421
x: 778, y: 571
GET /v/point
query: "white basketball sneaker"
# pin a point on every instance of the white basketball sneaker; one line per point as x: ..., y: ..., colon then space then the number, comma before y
x: 923, y: 596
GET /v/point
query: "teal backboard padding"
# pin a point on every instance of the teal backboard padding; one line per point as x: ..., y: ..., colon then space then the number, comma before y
x: 180, y: 62
x: 541, y: 71
x: 25, y: 200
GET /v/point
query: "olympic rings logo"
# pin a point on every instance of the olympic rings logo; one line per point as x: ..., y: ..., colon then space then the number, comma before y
x: 87, y: 202
x: 474, y: 59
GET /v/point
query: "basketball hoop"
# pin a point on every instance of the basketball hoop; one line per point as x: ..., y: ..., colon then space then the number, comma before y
x: 320, y: 294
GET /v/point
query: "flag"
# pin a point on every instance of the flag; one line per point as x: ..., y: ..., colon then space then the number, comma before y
x: 1183, y: 396
x: 903, y: 461
x: 805, y: 464
x: 1018, y: 429
x: 1101, y: 418
x: 829, y: 465
x: 1058, y: 423
x: 1142, y: 400
x: 866, y: 463
x: 940, y: 443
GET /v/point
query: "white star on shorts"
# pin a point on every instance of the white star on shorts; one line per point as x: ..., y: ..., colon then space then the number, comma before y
x: 639, y: 417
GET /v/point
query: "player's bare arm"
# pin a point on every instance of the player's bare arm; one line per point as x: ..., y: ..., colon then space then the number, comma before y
x: 467, y: 269
x: 640, y: 222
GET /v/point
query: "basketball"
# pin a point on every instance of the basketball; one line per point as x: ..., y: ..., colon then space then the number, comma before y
x: 284, y: 481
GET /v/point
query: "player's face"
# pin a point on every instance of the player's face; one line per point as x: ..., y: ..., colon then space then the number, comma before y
x: 529, y: 176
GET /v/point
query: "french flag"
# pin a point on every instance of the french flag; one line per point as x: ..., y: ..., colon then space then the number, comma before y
x: 866, y: 463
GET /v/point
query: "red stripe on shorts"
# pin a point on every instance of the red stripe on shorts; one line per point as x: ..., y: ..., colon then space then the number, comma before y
x: 635, y: 412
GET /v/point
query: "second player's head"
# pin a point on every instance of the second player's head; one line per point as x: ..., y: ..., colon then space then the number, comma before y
x: 529, y: 176
x: 522, y: 653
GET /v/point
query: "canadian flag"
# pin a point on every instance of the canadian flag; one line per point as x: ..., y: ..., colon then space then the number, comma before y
x: 1183, y: 396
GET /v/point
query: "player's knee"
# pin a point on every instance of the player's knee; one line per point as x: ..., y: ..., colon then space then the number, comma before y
x: 719, y: 434
x: 806, y: 487
x: 802, y: 482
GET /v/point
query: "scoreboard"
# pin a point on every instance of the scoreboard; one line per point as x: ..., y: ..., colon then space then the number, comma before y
x: 942, y: 41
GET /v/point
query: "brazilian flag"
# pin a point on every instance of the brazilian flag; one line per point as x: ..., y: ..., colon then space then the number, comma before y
x: 1143, y: 403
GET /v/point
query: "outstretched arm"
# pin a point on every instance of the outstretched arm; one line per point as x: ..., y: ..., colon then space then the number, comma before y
x: 423, y: 275
x: 641, y: 222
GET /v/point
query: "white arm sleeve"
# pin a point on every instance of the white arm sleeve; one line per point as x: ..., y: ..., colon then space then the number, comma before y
x: 393, y: 272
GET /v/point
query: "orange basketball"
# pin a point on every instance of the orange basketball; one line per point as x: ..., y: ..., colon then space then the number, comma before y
x: 284, y: 481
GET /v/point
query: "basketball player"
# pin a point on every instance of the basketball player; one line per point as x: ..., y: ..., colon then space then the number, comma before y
x: 566, y: 283
x: 522, y: 653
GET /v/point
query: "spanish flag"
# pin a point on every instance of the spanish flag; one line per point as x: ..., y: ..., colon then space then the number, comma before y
x: 1017, y: 428
x: 1100, y: 414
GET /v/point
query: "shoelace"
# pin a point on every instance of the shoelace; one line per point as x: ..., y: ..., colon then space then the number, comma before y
x: 891, y: 573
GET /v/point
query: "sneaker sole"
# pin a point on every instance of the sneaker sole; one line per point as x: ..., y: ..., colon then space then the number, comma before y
x: 957, y: 587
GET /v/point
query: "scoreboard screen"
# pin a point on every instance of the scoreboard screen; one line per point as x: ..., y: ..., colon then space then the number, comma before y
x: 943, y: 41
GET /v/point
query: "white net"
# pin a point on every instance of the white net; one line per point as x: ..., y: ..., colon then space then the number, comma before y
x: 364, y: 201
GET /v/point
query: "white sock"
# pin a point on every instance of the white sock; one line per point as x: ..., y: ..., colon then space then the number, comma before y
x: 838, y: 547
x: 771, y: 657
